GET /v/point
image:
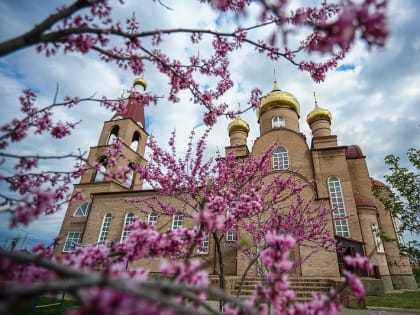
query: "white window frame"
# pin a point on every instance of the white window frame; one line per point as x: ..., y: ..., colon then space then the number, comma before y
x: 232, y: 233
x: 377, y: 237
x: 278, y: 122
x: 177, y: 220
x: 73, y: 240
x: 204, y: 246
x: 152, y: 218
x: 337, y: 203
x: 280, y: 159
x: 84, y: 210
x: 106, y: 224
x: 129, y: 218
x: 397, y: 231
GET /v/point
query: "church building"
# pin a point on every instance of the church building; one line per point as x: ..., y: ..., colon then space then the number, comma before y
x: 340, y: 174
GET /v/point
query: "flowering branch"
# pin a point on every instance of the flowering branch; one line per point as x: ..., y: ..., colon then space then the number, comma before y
x: 89, y: 25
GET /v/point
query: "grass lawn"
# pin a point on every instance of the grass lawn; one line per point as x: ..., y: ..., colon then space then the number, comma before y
x: 408, y: 299
x: 416, y: 273
x: 43, y: 307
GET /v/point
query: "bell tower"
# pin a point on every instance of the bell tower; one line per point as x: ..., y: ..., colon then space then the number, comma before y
x: 103, y: 176
x: 129, y: 127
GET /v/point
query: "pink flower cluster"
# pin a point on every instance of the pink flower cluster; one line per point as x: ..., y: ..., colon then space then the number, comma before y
x: 228, y: 195
x: 357, y: 262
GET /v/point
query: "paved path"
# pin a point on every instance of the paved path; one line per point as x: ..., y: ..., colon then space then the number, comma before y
x: 369, y: 311
x: 380, y: 311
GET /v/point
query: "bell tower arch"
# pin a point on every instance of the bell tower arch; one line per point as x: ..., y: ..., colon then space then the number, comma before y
x: 127, y: 131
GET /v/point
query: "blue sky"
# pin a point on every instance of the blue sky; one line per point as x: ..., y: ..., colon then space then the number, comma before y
x: 346, y: 67
x: 374, y: 96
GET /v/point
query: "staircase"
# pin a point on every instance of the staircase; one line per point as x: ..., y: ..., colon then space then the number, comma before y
x: 301, y: 286
x: 304, y: 286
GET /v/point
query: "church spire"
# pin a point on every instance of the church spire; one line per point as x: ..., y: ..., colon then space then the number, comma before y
x: 135, y: 107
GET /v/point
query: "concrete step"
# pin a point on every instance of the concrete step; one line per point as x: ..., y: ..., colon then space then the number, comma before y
x: 303, y: 287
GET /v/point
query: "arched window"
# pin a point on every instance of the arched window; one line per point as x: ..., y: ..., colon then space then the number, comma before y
x: 152, y: 218
x: 377, y: 237
x: 72, y: 241
x: 277, y: 122
x: 204, y: 246
x: 82, y: 211
x: 101, y: 170
x: 113, y: 134
x: 129, y: 218
x: 337, y: 202
x: 130, y: 176
x: 232, y: 233
x: 280, y: 159
x: 177, y: 220
x: 106, y: 224
x: 135, y: 141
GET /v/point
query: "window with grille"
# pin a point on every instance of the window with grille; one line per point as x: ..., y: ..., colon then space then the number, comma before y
x: 177, y: 220
x: 106, y: 224
x: 204, y: 246
x: 232, y: 233
x: 153, y: 217
x: 277, y: 122
x: 82, y: 211
x: 72, y: 241
x: 377, y: 237
x: 337, y: 202
x: 280, y: 159
x: 398, y: 231
x: 129, y: 218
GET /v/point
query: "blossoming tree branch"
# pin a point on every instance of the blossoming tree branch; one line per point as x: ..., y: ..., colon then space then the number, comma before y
x: 208, y: 188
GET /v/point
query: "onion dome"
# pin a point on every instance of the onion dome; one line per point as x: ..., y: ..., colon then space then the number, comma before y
x: 318, y: 113
x: 379, y: 183
x: 354, y: 152
x: 363, y: 202
x: 140, y: 81
x: 278, y: 99
x: 238, y: 125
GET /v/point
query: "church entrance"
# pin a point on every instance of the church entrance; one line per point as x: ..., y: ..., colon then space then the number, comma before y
x: 349, y: 247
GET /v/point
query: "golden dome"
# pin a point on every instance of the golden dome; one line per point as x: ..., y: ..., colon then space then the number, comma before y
x: 278, y: 99
x: 238, y: 125
x: 318, y: 113
x: 140, y: 81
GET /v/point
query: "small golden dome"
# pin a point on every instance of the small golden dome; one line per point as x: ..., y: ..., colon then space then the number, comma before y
x: 278, y: 99
x: 318, y: 113
x: 238, y: 125
x: 140, y: 81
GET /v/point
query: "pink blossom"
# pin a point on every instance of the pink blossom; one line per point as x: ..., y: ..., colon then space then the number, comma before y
x: 359, y: 261
x: 60, y: 130
x: 355, y: 284
x: 209, y: 188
